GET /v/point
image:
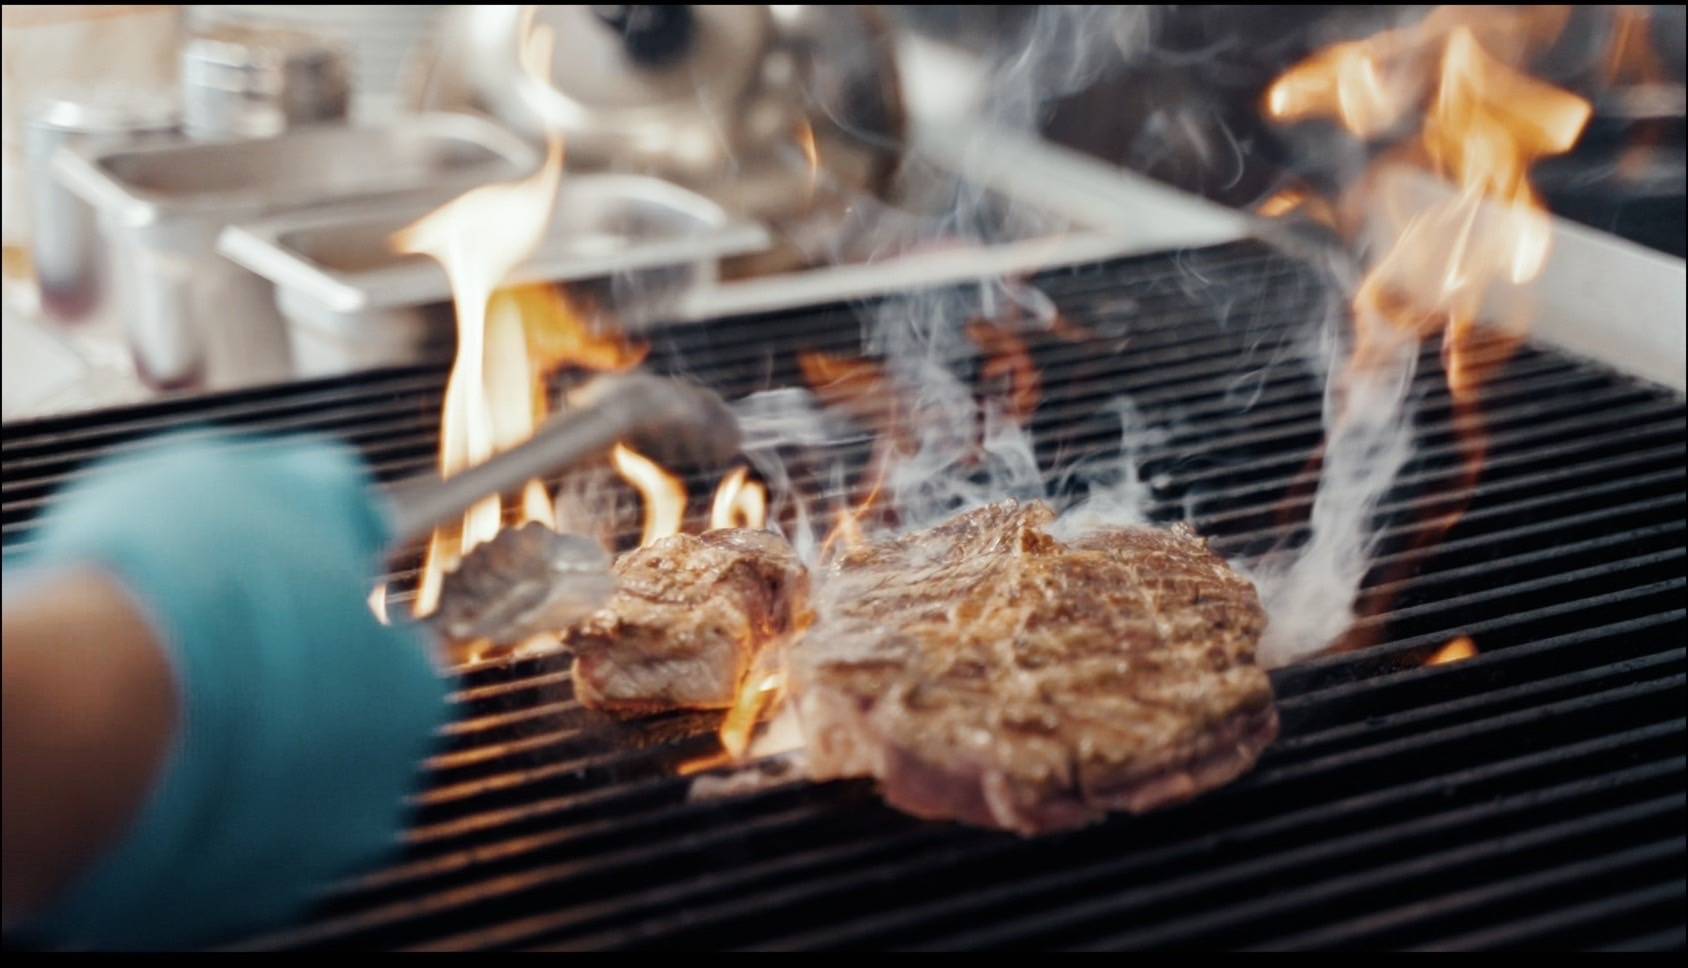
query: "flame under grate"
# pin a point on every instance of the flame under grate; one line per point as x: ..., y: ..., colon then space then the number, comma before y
x: 1531, y: 795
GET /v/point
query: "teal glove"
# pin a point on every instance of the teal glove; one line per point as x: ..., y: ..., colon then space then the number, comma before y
x: 302, y: 719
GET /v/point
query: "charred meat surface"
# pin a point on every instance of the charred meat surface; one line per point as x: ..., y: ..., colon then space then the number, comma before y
x: 985, y: 672
x: 689, y: 615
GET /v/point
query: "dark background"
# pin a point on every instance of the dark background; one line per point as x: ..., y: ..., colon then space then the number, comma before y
x: 1187, y: 111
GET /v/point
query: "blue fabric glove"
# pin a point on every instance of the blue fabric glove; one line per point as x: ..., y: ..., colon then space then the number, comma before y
x: 301, y: 718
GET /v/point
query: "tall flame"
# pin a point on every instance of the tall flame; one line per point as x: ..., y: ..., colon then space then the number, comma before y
x: 1487, y: 126
x: 1454, y: 262
x: 508, y: 340
x: 1373, y: 85
x: 490, y: 395
x: 806, y: 143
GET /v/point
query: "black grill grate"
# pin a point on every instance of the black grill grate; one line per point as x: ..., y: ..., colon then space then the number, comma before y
x: 1531, y: 796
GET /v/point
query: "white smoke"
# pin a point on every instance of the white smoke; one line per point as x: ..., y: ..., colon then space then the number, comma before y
x: 1309, y: 598
x: 956, y: 451
x: 966, y: 453
x: 1115, y: 493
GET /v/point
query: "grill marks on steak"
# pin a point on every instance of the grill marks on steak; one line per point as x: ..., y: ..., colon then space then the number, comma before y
x: 688, y: 618
x: 984, y: 671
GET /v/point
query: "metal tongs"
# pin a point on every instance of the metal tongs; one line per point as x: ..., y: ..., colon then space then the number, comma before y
x: 531, y: 579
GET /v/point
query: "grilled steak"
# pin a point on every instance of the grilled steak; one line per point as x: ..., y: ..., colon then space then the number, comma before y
x: 689, y: 615
x: 985, y: 672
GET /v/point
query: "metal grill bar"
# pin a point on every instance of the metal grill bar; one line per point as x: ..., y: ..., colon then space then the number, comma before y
x: 1530, y: 795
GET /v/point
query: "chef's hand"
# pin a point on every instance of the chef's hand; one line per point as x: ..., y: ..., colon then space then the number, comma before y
x: 297, y: 723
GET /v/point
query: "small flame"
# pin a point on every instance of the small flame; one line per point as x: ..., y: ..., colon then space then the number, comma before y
x: 848, y: 531
x: 1008, y: 361
x: 857, y: 387
x: 1282, y: 203
x: 1457, y: 650
x: 739, y: 502
x: 754, y: 697
x: 663, y: 494
x: 558, y: 334
x: 861, y: 389
x: 806, y: 142
x: 378, y: 604
x: 1633, y: 62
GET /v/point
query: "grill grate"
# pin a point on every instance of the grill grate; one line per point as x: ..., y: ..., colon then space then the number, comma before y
x: 1532, y: 795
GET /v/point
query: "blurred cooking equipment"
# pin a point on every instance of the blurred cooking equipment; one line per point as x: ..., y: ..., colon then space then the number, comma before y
x: 378, y: 42
x: 248, y: 82
x: 68, y: 51
x: 350, y: 300
x: 64, y: 241
x: 749, y: 104
x: 195, y: 318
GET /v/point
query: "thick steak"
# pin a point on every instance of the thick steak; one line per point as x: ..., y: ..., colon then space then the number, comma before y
x: 687, y: 619
x: 986, y: 672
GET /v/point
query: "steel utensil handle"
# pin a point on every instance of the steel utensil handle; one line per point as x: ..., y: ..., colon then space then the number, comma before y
x: 427, y: 501
x: 670, y: 421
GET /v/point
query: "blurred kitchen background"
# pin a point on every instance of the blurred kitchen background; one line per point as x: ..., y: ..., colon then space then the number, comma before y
x: 202, y: 197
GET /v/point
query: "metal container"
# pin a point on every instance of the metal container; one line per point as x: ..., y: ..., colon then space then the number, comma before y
x: 247, y: 82
x: 352, y: 302
x: 382, y: 43
x: 789, y: 89
x: 64, y: 240
x: 195, y: 318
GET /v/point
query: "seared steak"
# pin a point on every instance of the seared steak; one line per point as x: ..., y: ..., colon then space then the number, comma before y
x: 688, y: 616
x: 984, y: 671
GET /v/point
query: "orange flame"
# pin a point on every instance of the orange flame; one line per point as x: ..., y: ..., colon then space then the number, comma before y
x: 558, y: 334
x: 509, y: 341
x: 754, y: 697
x: 847, y: 532
x: 1373, y: 85
x: 806, y: 142
x: 1487, y: 126
x: 663, y: 494
x: 1457, y: 650
x: 1007, y: 359
x: 858, y: 387
x: 1282, y: 203
x: 739, y: 502
x: 861, y: 389
x: 1292, y: 200
x: 1457, y: 263
x: 759, y: 694
x: 1630, y: 57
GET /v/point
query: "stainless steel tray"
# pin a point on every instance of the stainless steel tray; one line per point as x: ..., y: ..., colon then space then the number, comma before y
x: 351, y: 300
x: 233, y: 180
x: 195, y: 319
